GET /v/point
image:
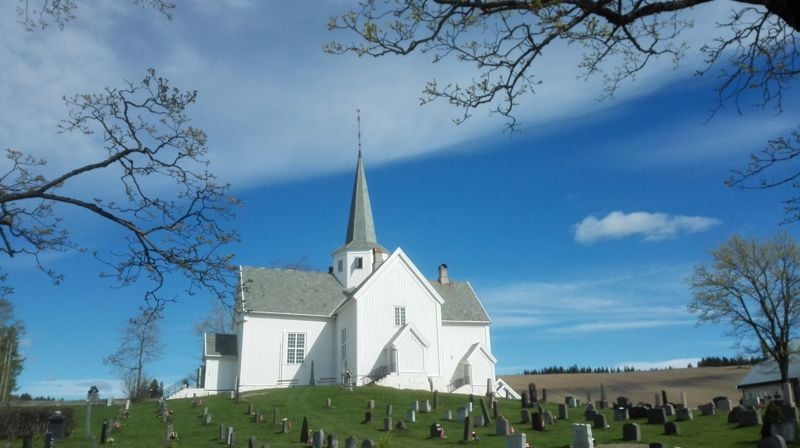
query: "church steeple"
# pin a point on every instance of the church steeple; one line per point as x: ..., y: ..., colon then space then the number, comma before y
x: 360, y: 227
x: 361, y: 253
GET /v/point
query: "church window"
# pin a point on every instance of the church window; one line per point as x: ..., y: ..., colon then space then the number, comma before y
x: 399, y: 316
x: 359, y: 263
x: 295, y: 348
x: 344, y: 344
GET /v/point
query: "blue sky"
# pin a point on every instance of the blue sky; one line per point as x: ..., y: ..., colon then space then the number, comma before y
x: 577, y: 232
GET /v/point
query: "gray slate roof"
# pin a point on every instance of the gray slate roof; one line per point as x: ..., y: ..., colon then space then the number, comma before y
x: 291, y: 292
x: 288, y: 291
x: 767, y: 372
x: 360, y: 225
x: 219, y: 344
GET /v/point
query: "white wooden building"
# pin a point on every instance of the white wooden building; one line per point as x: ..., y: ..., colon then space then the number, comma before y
x: 373, y: 317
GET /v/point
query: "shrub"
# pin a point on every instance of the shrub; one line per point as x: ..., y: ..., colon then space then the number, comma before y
x: 20, y: 421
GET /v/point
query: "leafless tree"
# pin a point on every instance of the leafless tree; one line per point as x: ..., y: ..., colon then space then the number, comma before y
x: 35, y: 14
x: 754, y: 287
x: 503, y: 42
x: 172, y: 209
x: 140, y: 344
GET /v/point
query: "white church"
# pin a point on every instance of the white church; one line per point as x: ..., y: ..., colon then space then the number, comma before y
x: 372, y: 318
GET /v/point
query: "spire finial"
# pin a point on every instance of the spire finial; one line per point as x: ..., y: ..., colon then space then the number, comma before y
x: 358, y: 120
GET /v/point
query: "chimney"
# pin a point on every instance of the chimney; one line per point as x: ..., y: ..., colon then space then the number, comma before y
x: 443, y: 275
x: 330, y: 269
x: 377, y: 258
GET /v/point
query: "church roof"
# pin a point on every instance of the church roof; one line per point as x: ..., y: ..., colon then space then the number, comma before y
x: 219, y: 344
x: 286, y: 291
x: 460, y: 302
x: 360, y: 225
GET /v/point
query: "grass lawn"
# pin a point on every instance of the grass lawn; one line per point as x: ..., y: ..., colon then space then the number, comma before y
x: 144, y: 428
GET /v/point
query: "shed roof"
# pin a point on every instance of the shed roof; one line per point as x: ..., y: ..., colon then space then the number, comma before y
x: 767, y: 372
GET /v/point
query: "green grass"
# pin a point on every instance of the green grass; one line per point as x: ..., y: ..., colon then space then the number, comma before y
x: 145, y: 429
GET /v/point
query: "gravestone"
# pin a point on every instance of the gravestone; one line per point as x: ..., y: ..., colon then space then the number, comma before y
x: 50, y: 443
x: 411, y: 416
x: 631, y: 432
x: 544, y: 395
x: 638, y: 412
x: 387, y: 423
x: 525, y: 415
x: 671, y: 429
x: 501, y: 427
x: 571, y: 402
x: 57, y: 425
x: 524, y: 400
x: 516, y: 441
x: 495, y: 411
x: 249, y: 408
x: 436, y: 399
x: 656, y: 445
x: 534, y: 397
x: 436, y: 431
x: 368, y: 417
x: 548, y: 417
x: 722, y: 403
x: 128, y: 405
x: 304, y: 431
x: 425, y: 406
x: 656, y: 416
x: 103, y: 432
x: 664, y: 397
x: 231, y: 439
x: 371, y: 404
x: 657, y: 400
x: 752, y: 402
x: 588, y: 398
x: 389, y: 410
x: 170, y: 430
x: 368, y: 444
x: 470, y: 405
x: 684, y: 403
x: 222, y: 432
x: 351, y: 442
x: 733, y: 416
x: 285, y: 426
x: 707, y: 409
x: 621, y: 414
x: 581, y: 436
x: 589, y: 415
x: 537, y: 421
x: 750, y: 417
x: 467, y: 429
x: 252, y: 442
x: 415, y: 406
x: 329, y: 403
x: 600, y: 421
x: 274, y: 416
x: 479, y: 421
x: 772, y: 442
x: 401, y: 425
x: 669, y: 410
x: 333, y: 442
x: 603, y: 403
x: 684, y: 415
x: 448, y: 415
x: 258, y: 417
x: 563, y: 411
x: 462, y: 414
x: 623, y: 402
x: 318, y: 438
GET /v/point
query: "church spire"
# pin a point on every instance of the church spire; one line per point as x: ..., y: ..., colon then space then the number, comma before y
x: 361, y: 227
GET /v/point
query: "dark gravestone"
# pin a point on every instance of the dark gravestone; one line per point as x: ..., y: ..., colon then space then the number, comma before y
x: 252, y: 442
x: 467, y: 429
x: 656, y: 416
x: 621, y: 414
x: 534, y: 397
x: 685, y: 414
x: 733, y: 416
x: 524, y: 400
x: 285, y: 426
x: 707, y: 409
x: 333, y: 442
x: 772, y: 442
x: 389, y: 410
x: 671, y: 429
x: 103, y: 431
x: 526, y: 416
x: 401, y: 425
x: 351, y: 442
x: 664, y: 397
x: 304, y: 431
x: 548, y: 417
x: 669, y: 409
x: 274, y: 416
x: 563, y: 411
x: 436, y: 399
x: 638, y: 412
x: 495, y: 411
x: 318, y: 438
x: 50, y: 443
x: 544, y: 395
x: 387, y: 423
x: 749, y: 417
x: 656, y: 445
x: 589, y: 415
x: 222, y: 433
x: 631, y: 432
x: 472, y: 398
x: 600, y: 421
x: 56, y: 424
x: 537, y: 421
x: 370, y: 405
x: 623, y: 402
x: 368, y: 444
x: 368, y: 417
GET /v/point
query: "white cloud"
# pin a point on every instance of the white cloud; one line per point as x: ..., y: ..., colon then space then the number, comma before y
x: 73, y: 389
x: 652, y: 226
x: 592, y: 327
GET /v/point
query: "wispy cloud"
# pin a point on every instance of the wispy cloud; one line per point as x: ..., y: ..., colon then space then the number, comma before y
x: 651, y: 226
x: 72, y: 389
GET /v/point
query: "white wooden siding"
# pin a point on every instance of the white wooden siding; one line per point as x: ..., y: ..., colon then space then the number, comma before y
x: 456, y: 340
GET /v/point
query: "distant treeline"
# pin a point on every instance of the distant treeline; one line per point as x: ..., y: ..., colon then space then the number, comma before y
x: 576, y: 369
x: 724, y: 361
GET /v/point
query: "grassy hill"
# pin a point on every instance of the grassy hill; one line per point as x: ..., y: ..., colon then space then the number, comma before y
x: 700, y: 384
x: 144, y: 428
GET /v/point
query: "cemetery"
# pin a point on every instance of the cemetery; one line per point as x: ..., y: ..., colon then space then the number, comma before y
x: 327, y: 416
